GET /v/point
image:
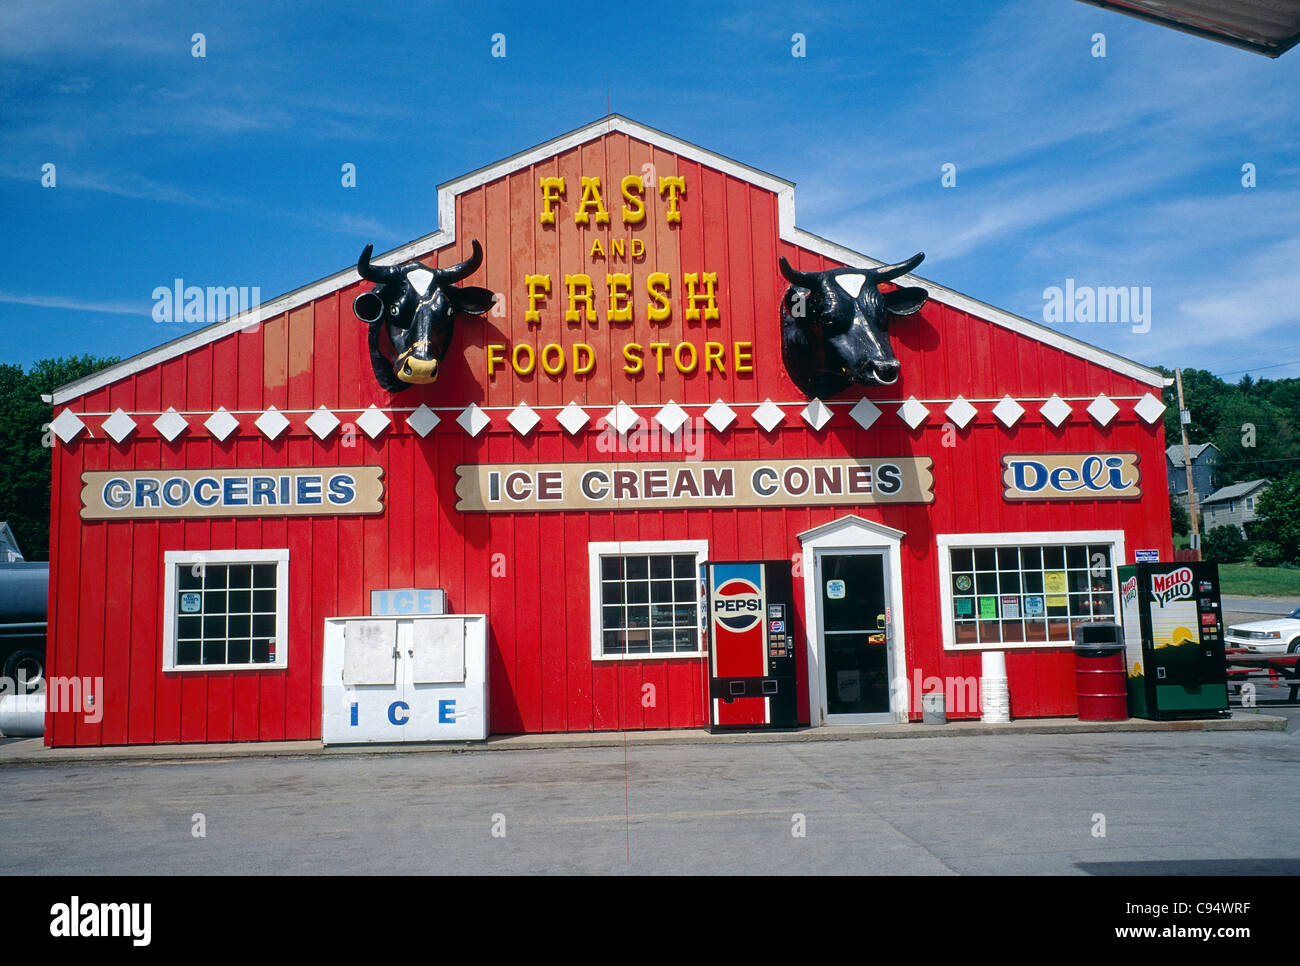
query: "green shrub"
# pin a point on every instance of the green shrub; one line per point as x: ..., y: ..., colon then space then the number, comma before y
x: 1266, y: 554
x: 1224, y: 544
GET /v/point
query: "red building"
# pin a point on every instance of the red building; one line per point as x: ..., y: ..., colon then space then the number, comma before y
x: 258, y: 462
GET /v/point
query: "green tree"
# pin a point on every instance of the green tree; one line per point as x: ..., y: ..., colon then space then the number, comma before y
x: 1256, y: 440
x: 1277, y: 516
x: 25, y: 445
x: 1178, y: 517
x: 1224, y: 545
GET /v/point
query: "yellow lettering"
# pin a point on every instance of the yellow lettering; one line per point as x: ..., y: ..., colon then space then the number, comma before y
x: 579, y: 367
x: 633, y: 190
x: 520, y: 368
x: 709, y: 298
x: 743, y: 352
x: 658, y: 286
x: 677, y: 357
x: 619, y: 284
x: 558, y: 368
x: 579, y: 287
x: 713, y: 356
x: 616, y: 246
x: 496, y: 355
x: 632, y: 353
x: 638, y: 248
x: 539, y: 287
x: 591, y: 199
x: 659, y: 348
x: 675, y: 186
x: 596, y: 250
x: 552, y: 189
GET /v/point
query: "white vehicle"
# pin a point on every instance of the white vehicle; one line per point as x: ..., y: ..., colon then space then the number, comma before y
x: 1281, y: 635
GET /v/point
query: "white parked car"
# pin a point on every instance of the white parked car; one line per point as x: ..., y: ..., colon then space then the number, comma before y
x: 1281, y: 635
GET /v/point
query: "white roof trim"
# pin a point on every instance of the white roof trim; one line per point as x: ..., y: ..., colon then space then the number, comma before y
x: 446, y: 235
x: 851, y: 522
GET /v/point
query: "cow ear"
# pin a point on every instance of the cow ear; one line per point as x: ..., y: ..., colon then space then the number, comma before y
x: 905, y: 301
x: 471, y: 299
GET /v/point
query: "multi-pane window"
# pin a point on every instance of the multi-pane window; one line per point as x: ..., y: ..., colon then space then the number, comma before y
x: 226, y: 611
x: 1028, y: 594
x: 649, y: 604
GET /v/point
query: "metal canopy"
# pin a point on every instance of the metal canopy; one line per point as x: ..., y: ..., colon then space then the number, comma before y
x: 1269, y: 27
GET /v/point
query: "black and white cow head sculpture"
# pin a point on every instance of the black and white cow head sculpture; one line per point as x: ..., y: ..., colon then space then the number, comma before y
x: 416, y: 305
x: 834, y: 326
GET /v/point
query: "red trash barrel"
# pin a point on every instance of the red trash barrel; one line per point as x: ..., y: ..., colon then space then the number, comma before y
x: 1100, y: 672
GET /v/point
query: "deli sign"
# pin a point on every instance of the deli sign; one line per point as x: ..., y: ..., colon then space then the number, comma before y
x: 1071, y: 476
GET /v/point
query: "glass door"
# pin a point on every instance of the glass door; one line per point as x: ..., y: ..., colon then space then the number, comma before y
x: 853, y: 595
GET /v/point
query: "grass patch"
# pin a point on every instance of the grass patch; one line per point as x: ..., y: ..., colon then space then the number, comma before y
x: 1247, y: 580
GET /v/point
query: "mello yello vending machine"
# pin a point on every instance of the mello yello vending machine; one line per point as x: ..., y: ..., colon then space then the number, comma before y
x: 748, y: 616
x: 1173, y: 640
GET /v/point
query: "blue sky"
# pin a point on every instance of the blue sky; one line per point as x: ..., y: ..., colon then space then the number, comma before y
x: 1117, y: 171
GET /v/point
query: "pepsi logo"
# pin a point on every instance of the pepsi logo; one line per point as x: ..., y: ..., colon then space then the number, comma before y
x: 737, y: 605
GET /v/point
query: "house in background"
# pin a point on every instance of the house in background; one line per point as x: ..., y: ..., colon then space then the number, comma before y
x: 1233, y: 504
x: 1204, y: 458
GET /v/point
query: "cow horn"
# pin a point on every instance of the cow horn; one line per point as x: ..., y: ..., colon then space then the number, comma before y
x: 454, y: 273
x: 886, y: 272
x: 373, y: 273
x: 794, y: 277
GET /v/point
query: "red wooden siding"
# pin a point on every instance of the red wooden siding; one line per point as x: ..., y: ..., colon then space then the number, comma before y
x: 529, y: 572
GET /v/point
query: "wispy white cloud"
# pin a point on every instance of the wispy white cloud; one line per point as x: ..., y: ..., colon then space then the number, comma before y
x: 72, y: 304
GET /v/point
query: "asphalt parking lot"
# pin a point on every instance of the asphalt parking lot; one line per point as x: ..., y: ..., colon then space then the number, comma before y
x: 1083, y: 804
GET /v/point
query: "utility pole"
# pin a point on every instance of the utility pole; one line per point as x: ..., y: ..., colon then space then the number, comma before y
x: 1185, y: 417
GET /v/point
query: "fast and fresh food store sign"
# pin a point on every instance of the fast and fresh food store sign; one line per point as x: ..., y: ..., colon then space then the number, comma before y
x: 532, y: 487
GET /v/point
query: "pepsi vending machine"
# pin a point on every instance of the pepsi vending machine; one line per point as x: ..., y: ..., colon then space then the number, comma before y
x: 748, y: 615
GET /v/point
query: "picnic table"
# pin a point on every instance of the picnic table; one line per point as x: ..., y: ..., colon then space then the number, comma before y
x: 1242, y: 662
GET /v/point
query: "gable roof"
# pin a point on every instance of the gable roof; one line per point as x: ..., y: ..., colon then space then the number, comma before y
x: 1235, y: 491
x: 1175, y: 452
x: 446, y: 235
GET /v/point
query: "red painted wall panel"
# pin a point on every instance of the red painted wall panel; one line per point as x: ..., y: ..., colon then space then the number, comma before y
x: 529, y: 572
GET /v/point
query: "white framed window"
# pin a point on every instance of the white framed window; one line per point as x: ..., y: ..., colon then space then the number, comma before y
x: 225, y: 609
x: 1015, y: 590
x: 645, y: 599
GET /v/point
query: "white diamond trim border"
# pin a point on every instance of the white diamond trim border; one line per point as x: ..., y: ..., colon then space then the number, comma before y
x: 322, y: 422
x: 373, y: 421
x: 1008, y: 411
x: 1102, y: 409
x: 816, y: 414
x: 119, y: 425
x: 1056, y: 410
x: 221, y: 424
x: 960, y: 412
x: 572, y: 417
x: 769, y: 415
x: 171, y: 424
x: 1149, y: 408
x: 913, y: 412
x: 272, y: 423
x: 864, y: 413
x: 720, y: 415
x: 523, y: 418
x: 671, y: 417
x: 473, y: 420
x: 67, y: 425
x: 423, y: 420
